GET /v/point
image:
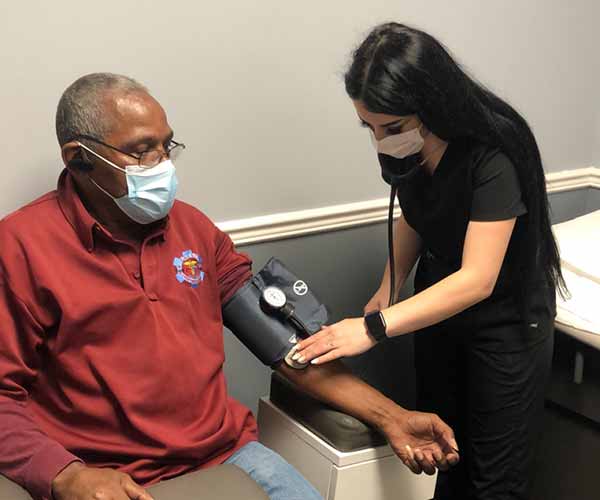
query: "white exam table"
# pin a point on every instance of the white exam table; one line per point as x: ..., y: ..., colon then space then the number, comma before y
x: 579, y: 315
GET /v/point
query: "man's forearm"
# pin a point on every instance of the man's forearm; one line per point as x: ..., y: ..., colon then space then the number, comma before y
x: 333, y: 384
x: 421, y: 440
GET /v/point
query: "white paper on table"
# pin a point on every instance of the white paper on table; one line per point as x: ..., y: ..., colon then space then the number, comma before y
x: 584, y: 302
x: 568, y: 320
x: 579, y: 243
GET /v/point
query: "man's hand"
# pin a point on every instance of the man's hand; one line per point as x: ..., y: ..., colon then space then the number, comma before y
x: 78, y: 482
x: 422, y: 441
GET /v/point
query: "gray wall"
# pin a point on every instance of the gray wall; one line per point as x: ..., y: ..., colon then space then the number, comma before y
x: 593, y: 200
x: 254, y: 88
x: 570, y: 204
x: 344, y: 268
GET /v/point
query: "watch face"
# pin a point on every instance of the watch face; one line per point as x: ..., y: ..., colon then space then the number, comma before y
x: 376, y: 325
x: 274, y: 297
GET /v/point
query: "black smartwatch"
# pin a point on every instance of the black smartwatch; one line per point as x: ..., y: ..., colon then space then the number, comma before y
x: 376, y: 326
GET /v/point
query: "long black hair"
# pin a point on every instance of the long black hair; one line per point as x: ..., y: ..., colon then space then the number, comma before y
x: 399, y: 70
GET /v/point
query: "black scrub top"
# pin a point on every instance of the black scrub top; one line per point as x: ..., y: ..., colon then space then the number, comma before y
x: 475, y: 182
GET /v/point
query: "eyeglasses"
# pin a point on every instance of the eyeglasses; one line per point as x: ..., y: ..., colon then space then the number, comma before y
x: 148, y: 159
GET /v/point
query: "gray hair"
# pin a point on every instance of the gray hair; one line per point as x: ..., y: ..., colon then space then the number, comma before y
x: 82, y: 107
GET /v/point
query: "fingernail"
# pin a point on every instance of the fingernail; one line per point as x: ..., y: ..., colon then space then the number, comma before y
x: 454, y: 444
x: 300, y: 359
x: 314, y: 361
x: 296, y: 356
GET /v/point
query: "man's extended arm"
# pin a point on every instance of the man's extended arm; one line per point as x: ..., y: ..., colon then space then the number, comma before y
x: 431, y: 441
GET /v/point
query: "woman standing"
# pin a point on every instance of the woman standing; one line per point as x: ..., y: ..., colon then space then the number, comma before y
x: 467, y: 173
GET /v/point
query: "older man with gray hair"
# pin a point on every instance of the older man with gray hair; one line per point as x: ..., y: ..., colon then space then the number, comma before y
x: 111, y: 359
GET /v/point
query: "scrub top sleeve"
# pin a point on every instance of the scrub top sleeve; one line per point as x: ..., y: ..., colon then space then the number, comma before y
x: 496, y: 191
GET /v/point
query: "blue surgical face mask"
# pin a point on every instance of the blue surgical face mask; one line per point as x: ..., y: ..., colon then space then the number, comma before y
x: 150, y: 190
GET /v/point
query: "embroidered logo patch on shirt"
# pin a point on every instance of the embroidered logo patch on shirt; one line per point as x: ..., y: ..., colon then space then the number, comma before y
x: 189, y: 268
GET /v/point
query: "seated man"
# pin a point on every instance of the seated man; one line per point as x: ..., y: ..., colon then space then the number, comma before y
x: 111, y: 347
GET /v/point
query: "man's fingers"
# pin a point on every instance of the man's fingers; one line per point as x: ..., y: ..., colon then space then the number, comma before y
x: 445, y: 432
x: 453, y: 458
x: 412, y: 466
x: 135, y: 491
x: 412, y: 463
x: 447, y: 441
x: 404, y: 455
x: 454, y: 444
x: 440, y: 460
x: 445, y: 437
x: 425, y: 461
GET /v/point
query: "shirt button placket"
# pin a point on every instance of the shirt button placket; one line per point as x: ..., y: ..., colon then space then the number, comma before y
x: 147, y: 264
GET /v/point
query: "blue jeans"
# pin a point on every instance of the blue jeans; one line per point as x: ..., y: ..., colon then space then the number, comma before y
x: 272, y: 473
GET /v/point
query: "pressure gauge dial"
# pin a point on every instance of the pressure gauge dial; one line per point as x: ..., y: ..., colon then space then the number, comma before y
x: 274, y: 297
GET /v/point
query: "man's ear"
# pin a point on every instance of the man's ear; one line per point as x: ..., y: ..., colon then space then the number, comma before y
x: 75, y: 158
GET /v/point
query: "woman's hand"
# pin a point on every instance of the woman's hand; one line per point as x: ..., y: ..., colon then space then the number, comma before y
x: 380, y: 299
x: 346, y: 338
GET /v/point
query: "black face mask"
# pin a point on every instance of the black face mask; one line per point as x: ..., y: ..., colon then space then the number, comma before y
x: 396, y: 171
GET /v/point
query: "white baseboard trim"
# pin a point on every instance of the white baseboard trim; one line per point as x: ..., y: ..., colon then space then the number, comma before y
x: 303, y: 222
x: 317, y: 220
x: 570, y: 180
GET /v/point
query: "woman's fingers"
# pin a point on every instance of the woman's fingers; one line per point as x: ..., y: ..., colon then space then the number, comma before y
x: 316, y: 350
x: 347, y: 338
x: 330, y: 356
x: 315, y: 346
x: 313, y: 338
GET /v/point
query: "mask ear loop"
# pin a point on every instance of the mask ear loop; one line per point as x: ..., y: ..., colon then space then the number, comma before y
x: 392, y: 298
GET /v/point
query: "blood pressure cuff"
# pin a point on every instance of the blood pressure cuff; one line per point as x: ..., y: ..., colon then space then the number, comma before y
x: 269, y: 336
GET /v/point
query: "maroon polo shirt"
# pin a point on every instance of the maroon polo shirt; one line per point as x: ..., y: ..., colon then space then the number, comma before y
x: 113, y: 355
